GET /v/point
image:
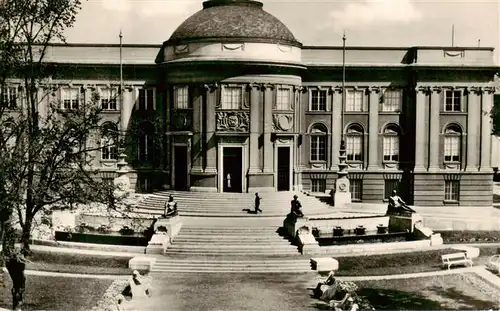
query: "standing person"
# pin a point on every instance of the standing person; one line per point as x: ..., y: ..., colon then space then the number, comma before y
x: 257, y: 203
x: 228, y: 180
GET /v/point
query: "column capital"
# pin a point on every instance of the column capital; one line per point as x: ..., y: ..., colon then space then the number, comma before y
x: 437, y: 89
x: 211, y: 86
x: 374, y: 89
x: 478, y: 90
x: 423, y: 89
x: 489, y: 89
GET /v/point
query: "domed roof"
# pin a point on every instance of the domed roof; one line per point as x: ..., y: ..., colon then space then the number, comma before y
x: 233, y: 19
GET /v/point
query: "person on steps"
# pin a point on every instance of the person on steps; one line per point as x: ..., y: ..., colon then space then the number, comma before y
x: 257, y: 203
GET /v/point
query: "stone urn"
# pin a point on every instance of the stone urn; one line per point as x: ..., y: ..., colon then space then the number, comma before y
x: 360, y: 230
x: 381, y: 229
x: 338, y: 231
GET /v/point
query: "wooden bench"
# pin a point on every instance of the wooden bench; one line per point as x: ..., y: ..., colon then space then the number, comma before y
x: 456, y: 259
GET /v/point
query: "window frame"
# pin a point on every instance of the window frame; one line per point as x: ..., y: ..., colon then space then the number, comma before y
x: 145, y: 106
x: 353, y: 108
x: 393, y: 139
x: 279, y: 105
x: 356, y: 187
x: 181, y: 92
x: 392, y: 104
x: 148, y: 138
x: 109, y: 148
x: 109, y: 99
x: 318, y: 185
x: 452, y: 143
x: 452, y: 190
x: 223, y: 97
x: 318, y: 143
x: 5, y: 96
x: 453, y: 97
x: 318, y: 104
x: 65, y: 99
x: 352, y: 133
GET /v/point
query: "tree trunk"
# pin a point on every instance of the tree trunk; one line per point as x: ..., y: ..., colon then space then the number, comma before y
x: 26, y: 235
x: 14, y: 262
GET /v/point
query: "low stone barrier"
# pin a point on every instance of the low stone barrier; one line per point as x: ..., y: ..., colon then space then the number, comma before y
x: 115, y: 223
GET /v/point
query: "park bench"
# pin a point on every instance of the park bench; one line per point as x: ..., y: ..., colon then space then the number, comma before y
x: 456, y: 259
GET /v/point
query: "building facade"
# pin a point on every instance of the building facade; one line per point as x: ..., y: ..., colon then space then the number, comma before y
x: 232, y: 102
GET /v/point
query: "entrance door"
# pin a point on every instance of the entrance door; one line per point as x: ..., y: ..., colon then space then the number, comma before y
x: 232, y: 167
x: 181, y: 168
x: 283, y: 168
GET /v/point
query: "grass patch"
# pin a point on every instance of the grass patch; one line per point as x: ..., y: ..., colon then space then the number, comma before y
x: 469, y: 236
x: 78, y: 263
x: 452, y: 292
x: 57, y: 293
x: 397, y: 263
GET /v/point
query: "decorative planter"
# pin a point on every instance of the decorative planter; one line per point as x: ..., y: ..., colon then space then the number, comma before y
x: 114, y: 238
x: 360, y: 230
x: 338, y: 231
x: 381, y: 229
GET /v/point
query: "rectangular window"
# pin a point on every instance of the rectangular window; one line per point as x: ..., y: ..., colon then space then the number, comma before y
x: 452, y: 101
x: 392, y: 100
x: 389, y: 186
x: 318, y: 148
x: 181, y: 97
x: 283, y: 99
x: 318, y: 100
x: 391, y: 148
x: 109, y: 150
x: 355, y: 100
x: 452, y: 149
x: 232, y: 98
x: 318, y: 185
x: 109, y: 99
x: 356, y: 189
x: 354, y: 148
x: 146, y: 99
x: 71, y: 98
x: 9, y: 97
x: 451, y: 190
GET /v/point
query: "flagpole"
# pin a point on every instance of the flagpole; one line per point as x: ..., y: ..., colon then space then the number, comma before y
x: 121, y: 85
x: 343, y: 88
x: 453, y: 35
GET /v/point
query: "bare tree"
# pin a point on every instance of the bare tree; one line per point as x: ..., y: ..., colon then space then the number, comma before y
x: 45, y: 155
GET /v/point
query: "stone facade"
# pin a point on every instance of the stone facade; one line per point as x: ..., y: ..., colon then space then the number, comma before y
x: 246, y: 114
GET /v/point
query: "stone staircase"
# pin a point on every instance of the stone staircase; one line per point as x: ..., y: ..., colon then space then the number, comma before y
x: 273, y: 204
x: 221, y: 245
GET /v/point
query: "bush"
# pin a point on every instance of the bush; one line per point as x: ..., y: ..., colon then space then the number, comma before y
x: 126, y: 230
x: 473, y: 236
x: 109, y: 300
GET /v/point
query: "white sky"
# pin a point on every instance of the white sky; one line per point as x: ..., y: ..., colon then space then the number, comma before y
x: 315, y: 22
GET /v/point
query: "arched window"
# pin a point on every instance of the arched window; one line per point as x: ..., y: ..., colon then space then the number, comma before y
x: 391, y: 143
x: 452, y: 143
x: 354, y: 143
x: 109, y: 140
x: 145, y: 143
x: 318, y: 142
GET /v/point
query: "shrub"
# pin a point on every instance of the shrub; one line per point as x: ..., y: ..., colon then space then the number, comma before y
x: 126, y: 230
x: 109, y: 300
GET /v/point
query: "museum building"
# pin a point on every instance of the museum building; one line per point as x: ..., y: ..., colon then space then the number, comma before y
x: 233, y: 102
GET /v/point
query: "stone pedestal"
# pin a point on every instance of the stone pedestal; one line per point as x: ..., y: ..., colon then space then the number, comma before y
x: 141, y: 263
x: 293, y: 223
x: 306, y: 241
x: 158, y: 244
x: 172, y: 224
x: 400, y: 222
x: 322, y: 264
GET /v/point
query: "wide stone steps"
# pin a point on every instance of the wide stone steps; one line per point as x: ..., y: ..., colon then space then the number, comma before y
x: 229, y: 204
x: 227, y: 266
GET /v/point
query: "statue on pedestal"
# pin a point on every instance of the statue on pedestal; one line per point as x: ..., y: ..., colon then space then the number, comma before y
x: 397, y: 205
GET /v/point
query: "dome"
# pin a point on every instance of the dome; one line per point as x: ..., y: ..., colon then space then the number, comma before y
x: 233, y: 19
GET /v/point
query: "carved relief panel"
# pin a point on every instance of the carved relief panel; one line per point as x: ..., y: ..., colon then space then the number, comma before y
x: 282, y: 122
x: 181, y: 120
x: 233, y: 121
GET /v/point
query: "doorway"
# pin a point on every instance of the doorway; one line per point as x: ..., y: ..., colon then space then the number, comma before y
x: 283, y: 168
x: 180, y: 168
x: 232, y: 163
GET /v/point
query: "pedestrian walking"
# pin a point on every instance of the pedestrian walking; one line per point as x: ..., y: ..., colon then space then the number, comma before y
x: 257, y: 203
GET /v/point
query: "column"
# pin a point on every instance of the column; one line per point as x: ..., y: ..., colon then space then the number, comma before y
x: 486, y: 106
x: 473, y: 120
x: 336, y: 127
x: 254, y: 129
x: 268, y: 114
x: 434, y: 130
x: 197, y: 143
x: 210, y: 144
x: 373, y: 130
x: 420, y: 128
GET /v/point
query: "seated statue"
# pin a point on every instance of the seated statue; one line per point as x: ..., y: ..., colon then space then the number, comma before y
x: 170, y: 207
x: 296, y: 207
x: 327, y: 289
x: 397, y: 205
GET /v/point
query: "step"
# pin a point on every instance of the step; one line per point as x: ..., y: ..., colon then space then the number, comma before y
x: 236, y: 252
x: 226, y: 239
x: 232, y: 271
